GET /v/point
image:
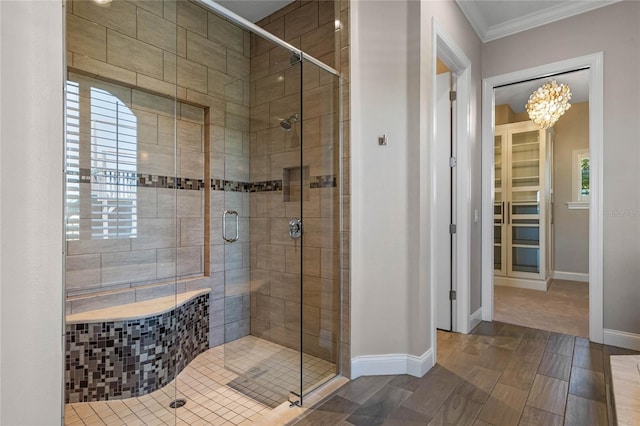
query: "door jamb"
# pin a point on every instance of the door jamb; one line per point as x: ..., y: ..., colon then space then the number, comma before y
x: 447, y: 50
x: 596, y: 151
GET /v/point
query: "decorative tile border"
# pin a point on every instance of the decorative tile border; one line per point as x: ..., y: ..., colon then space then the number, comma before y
x: 171, y: 182
x: 122, y: 359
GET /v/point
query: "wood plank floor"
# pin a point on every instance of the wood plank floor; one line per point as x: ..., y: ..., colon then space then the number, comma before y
x: 563, y: 308
x: 500, y: 374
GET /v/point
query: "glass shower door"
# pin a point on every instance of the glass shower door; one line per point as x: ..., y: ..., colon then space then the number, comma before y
x: 321, y: 312
x: 262, y: 186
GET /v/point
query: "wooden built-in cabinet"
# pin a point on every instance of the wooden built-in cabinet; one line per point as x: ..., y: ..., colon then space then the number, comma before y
x: 522, y: 205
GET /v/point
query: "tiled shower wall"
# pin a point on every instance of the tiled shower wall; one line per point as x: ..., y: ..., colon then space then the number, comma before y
x: 159, y: 51
x: 275, y: 267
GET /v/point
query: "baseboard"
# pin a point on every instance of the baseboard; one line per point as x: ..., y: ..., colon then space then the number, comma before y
x: 570, y: 276
x: 622, y: 339
x: 383, y: 365
x: 475, y: 319
x: 540, y: 285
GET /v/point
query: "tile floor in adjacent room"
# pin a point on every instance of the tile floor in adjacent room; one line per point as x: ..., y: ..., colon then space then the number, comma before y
x: 263, y: 372
x: 500, y: 374
x: 563, y: 308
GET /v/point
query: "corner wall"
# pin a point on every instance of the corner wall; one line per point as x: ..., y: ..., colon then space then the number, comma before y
x: 391, y: 94
x: 31, y: 179
x: 614, y: 30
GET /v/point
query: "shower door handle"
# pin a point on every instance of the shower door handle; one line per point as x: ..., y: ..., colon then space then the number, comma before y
x: 224, y: 226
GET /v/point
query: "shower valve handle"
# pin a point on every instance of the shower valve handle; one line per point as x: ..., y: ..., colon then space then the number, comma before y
x: 295, y: 228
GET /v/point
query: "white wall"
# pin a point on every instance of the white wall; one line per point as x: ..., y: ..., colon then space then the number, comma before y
x: 31, y: 129
x: 614, y: 30
x: 390, y: 94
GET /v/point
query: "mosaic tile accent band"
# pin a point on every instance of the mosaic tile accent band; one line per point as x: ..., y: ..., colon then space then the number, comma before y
x: 171, y: 182
x: 123, y: 359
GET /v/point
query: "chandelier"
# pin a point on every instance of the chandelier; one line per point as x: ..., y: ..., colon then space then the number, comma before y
x: 548, y: 103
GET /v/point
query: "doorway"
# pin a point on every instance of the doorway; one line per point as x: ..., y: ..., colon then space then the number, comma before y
x: 593, y: 63
x: 541, y: 215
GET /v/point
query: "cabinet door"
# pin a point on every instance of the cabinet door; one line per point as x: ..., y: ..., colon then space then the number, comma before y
x: 524, y: 213
x: 499, y: 212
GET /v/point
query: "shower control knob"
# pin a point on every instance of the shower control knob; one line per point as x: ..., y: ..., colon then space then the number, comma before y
x: 295, y: 228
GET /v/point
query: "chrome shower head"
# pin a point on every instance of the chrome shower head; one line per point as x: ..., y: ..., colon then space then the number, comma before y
x: 287, y: 123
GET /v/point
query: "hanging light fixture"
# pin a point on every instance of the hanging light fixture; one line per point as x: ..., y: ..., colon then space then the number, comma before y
x: 548, y: 103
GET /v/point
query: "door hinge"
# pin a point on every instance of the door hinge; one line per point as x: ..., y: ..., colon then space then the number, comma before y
x: 452, y: 228
x: 453, y: 162
x: 452, y: 295
x: 452, y: 95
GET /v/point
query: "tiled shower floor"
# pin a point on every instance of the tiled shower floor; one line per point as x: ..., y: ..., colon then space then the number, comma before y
x: 215, y: 395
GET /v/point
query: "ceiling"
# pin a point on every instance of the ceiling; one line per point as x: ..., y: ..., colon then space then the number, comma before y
x: 254, y: 10
x: 517, y: 95
x: 494, y: 19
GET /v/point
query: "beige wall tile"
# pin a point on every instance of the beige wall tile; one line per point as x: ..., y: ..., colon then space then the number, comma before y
x: 226, y: 33
x: 311, y: 263
x: 260, y: 45
x: 190, y: 136
x: 189, y: 260
x: 320, y: 292
x: 236, y: 168
x: 190, y: 203
x: 279, y: 60
x: 237, y: 116
x: 156, y: 160
x: 153, y: 103
x: 119, y: 16
x: 259, y: 66
x: 329, y: 264
x: 260, y: 281
x: 319, y: 101
x: 233, y: 141
x: 155, y: 30
x: 217, y: 258
x: 191, y: 113
x: 321, y: 42
x: 192, y: 17
x: 102, y: 69
x: 169, y: 11
x: 88, y: 246
x: 326, y: 12
x: 153, y: 292
x: 285, y: 286
x: 191, y: 164
x: 270, y: 257
x: 292, y: 259
x: 147, y: 202
x: 191, y: 231
x: 300, y: 21
x: 191, y: 75
x: 155, y: 85
x: 238, y: 281
x: 277, y: 311
x: 310, y: 319
x: 218, y: 81
x: 122, y: 267
x: 233, y: 256
x: 134, y: 55
x: 156, y: 7
x: 292, y: 316
x: 260, y: 117
x: 234, y: 92
x: 206, y: 52
x: 102, y: 301
x: 155, y: 233
x: 283, y: 108
x: 260, y: 168
x: 238, y: 65
x: 147, y: 125
x: 269, y: 88
x: 166, y: 263
x: 82, y: 272
x: 86, y: 38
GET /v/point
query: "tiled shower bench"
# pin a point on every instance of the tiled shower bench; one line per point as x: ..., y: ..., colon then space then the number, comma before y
x: 133, y: 349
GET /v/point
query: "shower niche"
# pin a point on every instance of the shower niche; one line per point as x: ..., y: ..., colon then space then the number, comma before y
x: 174, y: 139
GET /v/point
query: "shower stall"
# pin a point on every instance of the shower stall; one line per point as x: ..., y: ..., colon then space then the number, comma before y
x: 202, y: 210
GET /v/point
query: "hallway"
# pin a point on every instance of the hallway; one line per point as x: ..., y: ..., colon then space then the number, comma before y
x: 500, y: 374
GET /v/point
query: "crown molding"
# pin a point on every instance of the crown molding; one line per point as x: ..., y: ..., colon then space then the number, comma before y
x: 532, y: 20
